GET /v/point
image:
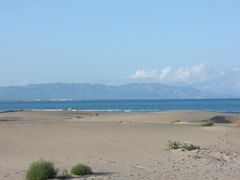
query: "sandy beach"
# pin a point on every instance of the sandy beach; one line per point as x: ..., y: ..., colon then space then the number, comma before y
x: 121, y: 145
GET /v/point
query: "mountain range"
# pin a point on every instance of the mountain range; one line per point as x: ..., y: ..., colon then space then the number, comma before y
x: 86, y: 91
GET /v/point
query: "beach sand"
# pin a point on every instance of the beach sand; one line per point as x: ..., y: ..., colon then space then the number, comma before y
x: 121, y: 145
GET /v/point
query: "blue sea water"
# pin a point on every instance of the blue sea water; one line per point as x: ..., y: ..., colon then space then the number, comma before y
x: 220, y: 105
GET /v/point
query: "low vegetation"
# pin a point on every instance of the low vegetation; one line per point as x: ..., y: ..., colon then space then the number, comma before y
x: 44, y: 170
x: 175, y: 121
x: 81, y: 169
x: 64, y: 174
x: 196, y: 157
x: 207, y: 123
x: 78, y: 117
x: 41, y: 170
x: 181, y: 145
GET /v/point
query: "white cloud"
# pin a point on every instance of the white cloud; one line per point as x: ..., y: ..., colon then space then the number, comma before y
x: 182, y: 74
x: 198, y: 68
x: 144, y: 74
x: 139, y: 74
x: 169, y: 74
x: 165, y: 72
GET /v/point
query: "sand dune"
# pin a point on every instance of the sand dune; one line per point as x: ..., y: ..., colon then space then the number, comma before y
x: 226, y: 119
x: 122, y: 145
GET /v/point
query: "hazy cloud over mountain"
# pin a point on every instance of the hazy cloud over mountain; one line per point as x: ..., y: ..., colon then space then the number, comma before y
x: 201, y: 76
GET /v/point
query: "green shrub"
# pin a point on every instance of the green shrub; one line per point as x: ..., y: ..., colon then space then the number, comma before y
x: 207, y: 123
x: 81, y: 169
x: 41, y: 170
x: 173, y: 145
x: 188, y: 147
x: 182, y: 146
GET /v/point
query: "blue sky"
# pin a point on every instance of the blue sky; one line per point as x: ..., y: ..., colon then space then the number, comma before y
x: 112, y: 41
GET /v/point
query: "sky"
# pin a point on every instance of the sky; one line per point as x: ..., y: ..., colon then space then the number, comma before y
x: 192, y: 43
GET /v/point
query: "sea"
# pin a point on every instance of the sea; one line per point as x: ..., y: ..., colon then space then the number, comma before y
x: 219, y: 105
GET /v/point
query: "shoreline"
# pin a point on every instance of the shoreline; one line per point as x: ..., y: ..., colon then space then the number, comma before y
x: 114, y: 110
x: 213, y: 105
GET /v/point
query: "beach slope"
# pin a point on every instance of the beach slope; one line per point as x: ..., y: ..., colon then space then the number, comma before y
x: 121, y: 145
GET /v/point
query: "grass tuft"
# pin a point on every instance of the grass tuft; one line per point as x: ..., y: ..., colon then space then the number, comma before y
x: 181, y: 145
x: 207, y: 123
x: 41, y: 170
x: 175, y: 121
x: 81, y: 169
